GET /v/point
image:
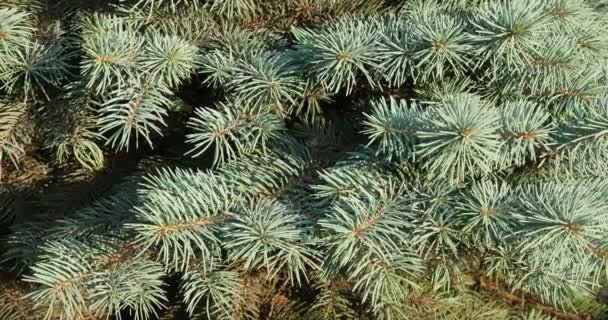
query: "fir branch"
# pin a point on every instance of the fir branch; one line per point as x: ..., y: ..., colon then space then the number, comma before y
x: 392, y: 126
x: 441, y: 46
x: 525, y: 129
x: 34, y: 67
x: 138, y: 109
x: 88, y: 285
x: 110, y: 59
x: 218, y: 66
x: 266, y: 80
x: 15, y: 31
x: 584, y: 132
x: 274, y: 173
x: 360, y: 227
x: 168, y: 61
x: 185, y: 225
x: 214, y: 289
x: 233, y: 130
x: 233, y: 8
x: 460, y: 139
x: 153, y: 5
x: 396, y: 49
x: 267, y: 236
x: 508, y: 29
x: 338, y: 54
x: 568, y: 217
x: 12, y: 139
x: 485, y: 211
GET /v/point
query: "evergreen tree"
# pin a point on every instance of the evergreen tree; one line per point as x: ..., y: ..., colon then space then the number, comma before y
x: 303, y: 159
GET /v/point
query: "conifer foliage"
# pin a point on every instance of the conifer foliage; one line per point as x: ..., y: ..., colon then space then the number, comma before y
x: 303, y: 159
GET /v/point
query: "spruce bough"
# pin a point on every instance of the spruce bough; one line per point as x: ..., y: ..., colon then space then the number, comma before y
x: 303, y: 159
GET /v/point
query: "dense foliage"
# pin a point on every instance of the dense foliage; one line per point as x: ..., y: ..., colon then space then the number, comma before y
x: 303, y: 159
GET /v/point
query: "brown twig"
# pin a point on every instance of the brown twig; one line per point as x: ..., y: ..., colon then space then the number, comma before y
x: 514, y: 298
